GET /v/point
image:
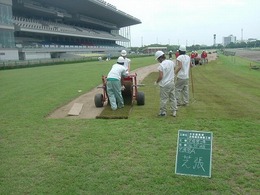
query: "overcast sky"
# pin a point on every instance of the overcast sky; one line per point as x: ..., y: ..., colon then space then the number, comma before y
x: 191, y: 22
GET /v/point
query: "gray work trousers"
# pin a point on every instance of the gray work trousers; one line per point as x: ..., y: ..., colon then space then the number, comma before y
x: 114, y: 94
x: 182, y: 91
x: 168, y: 93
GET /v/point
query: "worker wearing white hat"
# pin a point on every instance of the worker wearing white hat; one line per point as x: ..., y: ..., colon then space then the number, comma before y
x: 166, y: 82
x: 182, y: 72
x: 127, y: 61
x: 114, y: 84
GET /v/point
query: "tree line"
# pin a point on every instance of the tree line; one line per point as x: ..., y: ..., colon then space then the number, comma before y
x: 174, y: 48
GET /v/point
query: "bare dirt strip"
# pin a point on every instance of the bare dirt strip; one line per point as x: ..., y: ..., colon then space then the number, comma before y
x: 89, y: 110
x: 253, y: 55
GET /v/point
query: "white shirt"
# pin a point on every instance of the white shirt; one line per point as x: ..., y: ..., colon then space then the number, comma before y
x: 117, y: 71
x: 126, y: 64
x: 184, y: 71
x: 167, y: 67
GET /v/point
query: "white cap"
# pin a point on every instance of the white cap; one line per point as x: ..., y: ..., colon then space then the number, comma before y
x: 158, y: 54
x: 120, y: 60
x: 123, y: 53
x: 182, y: 48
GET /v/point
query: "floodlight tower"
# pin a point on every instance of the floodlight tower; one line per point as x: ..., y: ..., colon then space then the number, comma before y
x: 214, y: 40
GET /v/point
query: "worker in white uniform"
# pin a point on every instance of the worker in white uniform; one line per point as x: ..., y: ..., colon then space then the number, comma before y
x: 113, y: 85
x: 127, y: 61
x: 182, y: 72
x: 166, y: 82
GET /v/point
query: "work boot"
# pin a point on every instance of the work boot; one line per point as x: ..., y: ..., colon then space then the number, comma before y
x: 162, y: 114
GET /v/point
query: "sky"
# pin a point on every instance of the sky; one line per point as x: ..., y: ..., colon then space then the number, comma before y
x: 188, y: 22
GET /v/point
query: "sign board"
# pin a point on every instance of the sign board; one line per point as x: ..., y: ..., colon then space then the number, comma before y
x: 194, y: 153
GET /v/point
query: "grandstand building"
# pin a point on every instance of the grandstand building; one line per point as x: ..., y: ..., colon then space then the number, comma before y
x: 44, y: 29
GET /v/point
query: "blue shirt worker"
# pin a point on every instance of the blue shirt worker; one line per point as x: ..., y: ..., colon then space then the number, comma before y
x: 166, y: 82
x: 114, y: 84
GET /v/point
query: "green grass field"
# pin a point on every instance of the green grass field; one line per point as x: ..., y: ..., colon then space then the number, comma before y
x: 127, y: 156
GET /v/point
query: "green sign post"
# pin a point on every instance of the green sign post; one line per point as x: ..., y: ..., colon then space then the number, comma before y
x: 194, y: 153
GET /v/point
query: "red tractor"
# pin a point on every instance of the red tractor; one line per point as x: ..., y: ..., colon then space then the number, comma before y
x: 130, y: 90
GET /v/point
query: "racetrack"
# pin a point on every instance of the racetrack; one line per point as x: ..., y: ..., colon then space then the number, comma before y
x: 89, y: 110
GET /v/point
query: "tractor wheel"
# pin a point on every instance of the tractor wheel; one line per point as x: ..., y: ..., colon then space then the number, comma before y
x: 140, y: 98
x: 99, y: 100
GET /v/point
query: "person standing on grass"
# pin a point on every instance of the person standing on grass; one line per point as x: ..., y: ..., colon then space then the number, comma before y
x: 177, y: 53
x: 113, y: 84
x: 127, y: 61
x: 204, y: 57
x: 192, y: 57
x: 166, y: 82
x: 182, y: 72
x: 170, y: 54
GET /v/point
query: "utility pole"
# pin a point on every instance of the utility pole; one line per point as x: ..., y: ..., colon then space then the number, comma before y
x: 242, y: 35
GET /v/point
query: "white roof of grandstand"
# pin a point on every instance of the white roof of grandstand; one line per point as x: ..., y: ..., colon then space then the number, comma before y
x: 98, y: 9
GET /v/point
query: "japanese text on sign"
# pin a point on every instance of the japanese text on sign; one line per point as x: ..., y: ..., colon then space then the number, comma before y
x: 193, y: 155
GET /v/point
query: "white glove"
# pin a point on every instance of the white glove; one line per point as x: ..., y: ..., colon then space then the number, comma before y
x: 122, y: 88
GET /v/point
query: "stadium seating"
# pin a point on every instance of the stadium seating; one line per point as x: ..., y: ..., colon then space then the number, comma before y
x: 52, y: 27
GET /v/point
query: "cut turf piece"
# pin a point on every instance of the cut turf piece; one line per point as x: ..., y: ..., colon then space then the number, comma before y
x: 121, y: 113
x: 76, y: 109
